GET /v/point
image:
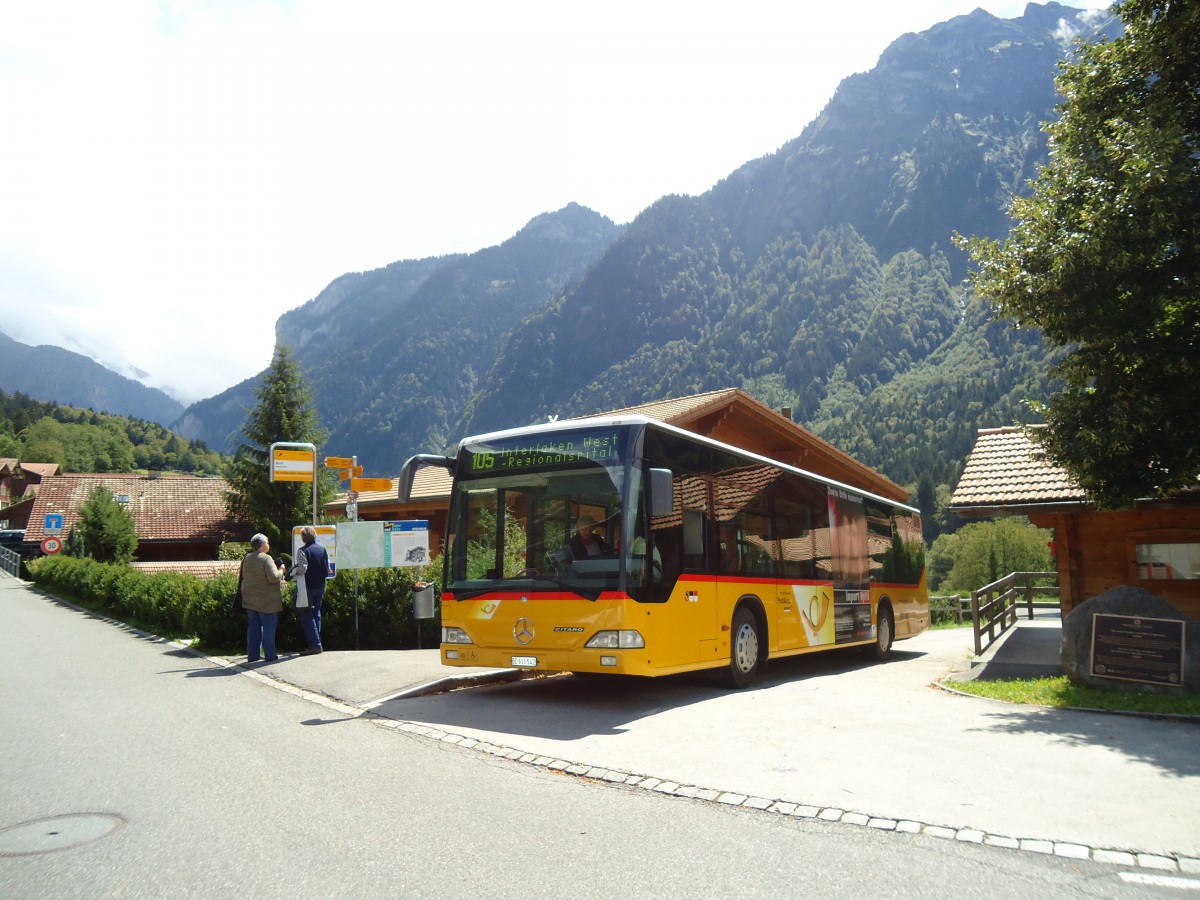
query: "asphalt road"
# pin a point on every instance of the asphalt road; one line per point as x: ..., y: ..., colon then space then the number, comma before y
x: 832, y: 731
x: 134, y: 769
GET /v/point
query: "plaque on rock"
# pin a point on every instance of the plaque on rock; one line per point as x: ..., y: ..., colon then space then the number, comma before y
x: 1138, y: 648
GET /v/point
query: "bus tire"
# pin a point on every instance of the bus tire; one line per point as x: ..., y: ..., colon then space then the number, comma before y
x: 744, y: 649
x: 885, y: 632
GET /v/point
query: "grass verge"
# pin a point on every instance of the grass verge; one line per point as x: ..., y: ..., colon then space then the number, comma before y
x: 1060, y: 692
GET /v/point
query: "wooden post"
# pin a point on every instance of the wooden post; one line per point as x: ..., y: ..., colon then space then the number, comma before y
x: 975, y: 622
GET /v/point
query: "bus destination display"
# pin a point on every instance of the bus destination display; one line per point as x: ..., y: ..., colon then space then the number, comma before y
x: 568, y: 448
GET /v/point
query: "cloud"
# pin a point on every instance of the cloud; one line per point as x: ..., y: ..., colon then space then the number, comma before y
x: 179, y: 173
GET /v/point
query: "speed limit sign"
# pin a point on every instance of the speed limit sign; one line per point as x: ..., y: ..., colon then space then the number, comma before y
x: 51, y: 545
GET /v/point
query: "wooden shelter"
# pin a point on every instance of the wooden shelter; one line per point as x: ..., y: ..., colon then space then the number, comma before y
x: 1155, y: 545
x: 731, y: 416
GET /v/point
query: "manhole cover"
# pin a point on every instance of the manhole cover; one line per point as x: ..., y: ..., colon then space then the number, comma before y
x: 57, y: 833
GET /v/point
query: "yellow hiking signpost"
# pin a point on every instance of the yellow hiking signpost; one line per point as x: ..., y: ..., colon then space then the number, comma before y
x: 370, y: 484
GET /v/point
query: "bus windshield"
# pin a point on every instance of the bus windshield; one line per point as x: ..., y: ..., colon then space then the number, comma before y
x: 539, y: 514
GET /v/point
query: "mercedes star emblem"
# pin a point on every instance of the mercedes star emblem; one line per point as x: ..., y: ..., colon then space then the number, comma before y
x: 523, y: 631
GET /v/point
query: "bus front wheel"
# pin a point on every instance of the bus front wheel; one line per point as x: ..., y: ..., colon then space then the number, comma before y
x: 885, y: 630
x: 743, y: 649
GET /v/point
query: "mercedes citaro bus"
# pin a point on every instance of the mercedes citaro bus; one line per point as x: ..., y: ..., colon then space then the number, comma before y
x: 623, y: 544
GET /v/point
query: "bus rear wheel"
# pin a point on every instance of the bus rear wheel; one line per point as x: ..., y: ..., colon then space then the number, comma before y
x: 743, y: 649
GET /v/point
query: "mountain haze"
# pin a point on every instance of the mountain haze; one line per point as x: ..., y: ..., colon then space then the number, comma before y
x: 821, y: 277
x: 52, y: 374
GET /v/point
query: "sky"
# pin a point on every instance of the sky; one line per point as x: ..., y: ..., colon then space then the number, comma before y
x: 177, y: 174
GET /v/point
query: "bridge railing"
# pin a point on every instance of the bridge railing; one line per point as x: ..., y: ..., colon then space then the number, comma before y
x: 10, y: 562
x: 994, y: 607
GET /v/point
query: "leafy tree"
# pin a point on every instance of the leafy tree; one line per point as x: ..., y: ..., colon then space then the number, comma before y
x: 81, y: 440
x: 284, y: 412
x: 106, y: 528
x: 1104, y: 254
x: 964, y: 561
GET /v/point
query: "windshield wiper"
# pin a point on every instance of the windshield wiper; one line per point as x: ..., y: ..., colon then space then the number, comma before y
x: 506, y: 584
x: 468, y: 593
x: 561, y: 582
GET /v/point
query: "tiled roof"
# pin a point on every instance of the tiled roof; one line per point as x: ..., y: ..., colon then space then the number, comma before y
x: 1008, y: 469
x: 432, y: 482
x: 164, y: 508
x: 42, y: 469
x: 205, y: 569
x: 753, y: 416
x: 677, y: 408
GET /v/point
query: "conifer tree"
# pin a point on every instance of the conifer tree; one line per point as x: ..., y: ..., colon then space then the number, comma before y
x: 106, y: 528
x: 284, y: 413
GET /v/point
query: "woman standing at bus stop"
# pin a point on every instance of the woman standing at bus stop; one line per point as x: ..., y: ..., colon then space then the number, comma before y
x: 261, y: 598
x: 311, y: 570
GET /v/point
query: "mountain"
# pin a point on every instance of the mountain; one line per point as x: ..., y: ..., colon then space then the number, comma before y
x: 821, y: 277
x: 816, y: 277
x: 53, y: 374
x: 394, y: 355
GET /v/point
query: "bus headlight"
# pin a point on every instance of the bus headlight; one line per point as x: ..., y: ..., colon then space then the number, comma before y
x: 453, y: 635
x: 616, y: 640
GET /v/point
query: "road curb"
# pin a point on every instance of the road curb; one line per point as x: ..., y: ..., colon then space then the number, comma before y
x: 1172, y: 864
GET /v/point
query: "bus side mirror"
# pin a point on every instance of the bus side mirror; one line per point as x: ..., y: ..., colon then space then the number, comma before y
x: 408, y: 472
x: 662, y: 492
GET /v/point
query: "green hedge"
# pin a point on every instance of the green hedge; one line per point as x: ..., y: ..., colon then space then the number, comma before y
x: 178, y: 605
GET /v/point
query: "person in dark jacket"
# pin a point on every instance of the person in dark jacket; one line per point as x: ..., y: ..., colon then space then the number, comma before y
x: 311, y: 570
x: 585, y: 542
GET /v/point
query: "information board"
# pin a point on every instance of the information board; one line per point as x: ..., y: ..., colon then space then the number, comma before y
x: 1138, y: 648
x: 292, y: 462
x: 382, y: 545
x: 326, y: 537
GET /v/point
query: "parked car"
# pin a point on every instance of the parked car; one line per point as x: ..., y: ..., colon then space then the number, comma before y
x: 12, y: 536
x: 14, y: 539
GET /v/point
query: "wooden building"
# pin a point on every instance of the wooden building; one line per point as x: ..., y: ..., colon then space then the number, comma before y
x: 1155, y: 545
x: 731, y: 416
x: 19, y: 483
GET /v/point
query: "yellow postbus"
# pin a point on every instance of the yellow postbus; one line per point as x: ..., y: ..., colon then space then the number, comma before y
x: 623, y: 544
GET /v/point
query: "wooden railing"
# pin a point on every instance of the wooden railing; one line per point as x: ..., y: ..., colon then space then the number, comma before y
x: 953, y: 606
x: 995, y: 605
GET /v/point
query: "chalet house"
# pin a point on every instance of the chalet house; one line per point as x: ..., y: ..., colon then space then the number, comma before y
x: 19, y: 484
x: 177, y: 517
x: 731, y: 416
x: 1155, y: 545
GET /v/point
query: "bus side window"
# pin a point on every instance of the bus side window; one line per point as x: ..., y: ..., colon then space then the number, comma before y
x: 693, y: 538
x: 800, y: 511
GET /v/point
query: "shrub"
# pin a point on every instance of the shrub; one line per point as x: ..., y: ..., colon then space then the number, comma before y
x: 175, y: 604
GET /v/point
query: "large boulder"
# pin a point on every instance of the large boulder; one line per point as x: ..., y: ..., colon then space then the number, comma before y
x: 1125, y: 601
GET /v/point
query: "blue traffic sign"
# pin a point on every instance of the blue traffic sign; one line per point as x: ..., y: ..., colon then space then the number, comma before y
x: 54, y: 523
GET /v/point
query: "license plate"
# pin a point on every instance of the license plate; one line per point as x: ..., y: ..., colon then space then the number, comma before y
x: 528, y: 662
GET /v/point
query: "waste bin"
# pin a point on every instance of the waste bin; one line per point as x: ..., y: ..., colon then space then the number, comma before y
x: 422, y: 600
